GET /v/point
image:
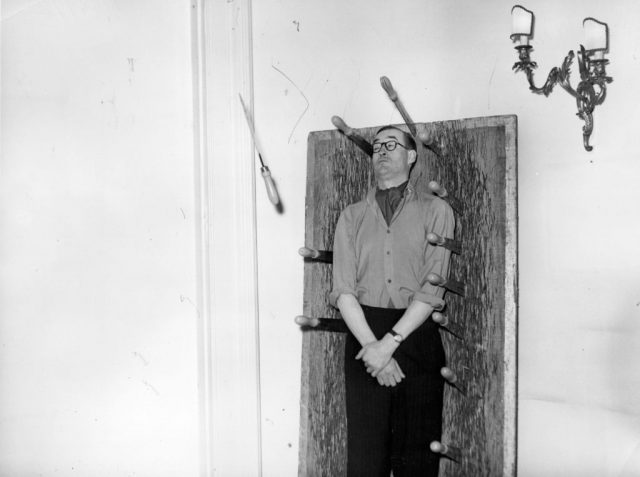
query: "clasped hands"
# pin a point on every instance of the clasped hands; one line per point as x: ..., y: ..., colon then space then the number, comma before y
x: 377, y: 357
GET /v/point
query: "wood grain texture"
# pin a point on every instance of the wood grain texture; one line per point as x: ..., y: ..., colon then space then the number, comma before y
x: 479, y: 414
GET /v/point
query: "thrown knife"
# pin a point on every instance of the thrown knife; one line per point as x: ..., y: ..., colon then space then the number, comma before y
x: 272, y: 192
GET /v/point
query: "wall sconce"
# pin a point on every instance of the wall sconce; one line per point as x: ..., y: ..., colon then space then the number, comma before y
x: 592, y: 89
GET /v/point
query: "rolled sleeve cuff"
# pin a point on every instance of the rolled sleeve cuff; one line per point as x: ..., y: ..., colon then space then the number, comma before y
x: 430, y: 299
x: 335, y: 294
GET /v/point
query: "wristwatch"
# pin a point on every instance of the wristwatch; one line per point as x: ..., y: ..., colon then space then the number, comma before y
x: 396, y: 336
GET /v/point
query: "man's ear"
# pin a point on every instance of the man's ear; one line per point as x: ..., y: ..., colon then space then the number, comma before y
x: 413, y: 156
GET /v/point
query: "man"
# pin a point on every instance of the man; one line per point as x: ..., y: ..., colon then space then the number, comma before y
x: 393, y: 355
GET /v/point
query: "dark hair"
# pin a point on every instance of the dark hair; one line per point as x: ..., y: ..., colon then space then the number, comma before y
x: 409, y: 142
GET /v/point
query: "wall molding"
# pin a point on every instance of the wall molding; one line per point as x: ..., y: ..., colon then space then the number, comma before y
x: 228, y: 348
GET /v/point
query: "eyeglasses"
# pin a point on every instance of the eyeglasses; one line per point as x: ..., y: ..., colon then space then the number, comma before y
x: 389, y: 145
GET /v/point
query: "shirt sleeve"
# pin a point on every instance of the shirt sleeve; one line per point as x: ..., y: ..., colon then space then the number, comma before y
x: 441, y: 221
x: 344, y: 258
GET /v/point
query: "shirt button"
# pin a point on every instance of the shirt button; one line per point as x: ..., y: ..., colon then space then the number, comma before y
x: 388, y: 280
x: 388, y: 231
x: 388, y: 253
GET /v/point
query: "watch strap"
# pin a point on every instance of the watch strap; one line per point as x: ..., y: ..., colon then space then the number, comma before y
x: 398, y: 338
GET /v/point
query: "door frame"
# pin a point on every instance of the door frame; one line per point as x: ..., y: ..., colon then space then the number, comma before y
x: 228, y: 331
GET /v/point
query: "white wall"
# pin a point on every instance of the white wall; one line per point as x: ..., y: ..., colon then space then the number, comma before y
x: 98, y: 330
x: 579, y: 337
x: 97, y: 325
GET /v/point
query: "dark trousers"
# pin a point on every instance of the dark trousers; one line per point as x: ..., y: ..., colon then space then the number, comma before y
x: 390, y: 428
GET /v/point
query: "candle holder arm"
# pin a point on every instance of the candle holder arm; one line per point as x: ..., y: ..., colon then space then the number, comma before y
x: 556, y: 75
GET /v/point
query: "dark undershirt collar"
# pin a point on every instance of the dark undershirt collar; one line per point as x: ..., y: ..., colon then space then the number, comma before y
x: 389, y: 199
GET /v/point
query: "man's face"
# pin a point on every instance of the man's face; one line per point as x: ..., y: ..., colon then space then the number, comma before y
x: 392, y: 166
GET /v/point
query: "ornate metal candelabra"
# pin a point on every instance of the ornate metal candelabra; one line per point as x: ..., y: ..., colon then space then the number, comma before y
x: 592, y: 88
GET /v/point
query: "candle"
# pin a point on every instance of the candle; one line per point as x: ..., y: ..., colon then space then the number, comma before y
x: 596, y: 37
x: 521, y: 24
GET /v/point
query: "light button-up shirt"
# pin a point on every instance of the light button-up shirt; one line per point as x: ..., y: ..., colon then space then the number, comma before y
x: 387, y: 265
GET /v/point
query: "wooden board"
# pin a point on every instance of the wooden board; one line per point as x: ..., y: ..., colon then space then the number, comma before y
x: 478, y: 168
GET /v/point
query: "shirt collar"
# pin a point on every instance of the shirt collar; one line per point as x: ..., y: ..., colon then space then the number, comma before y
x: 371, y: 195
x: 399, y: 188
